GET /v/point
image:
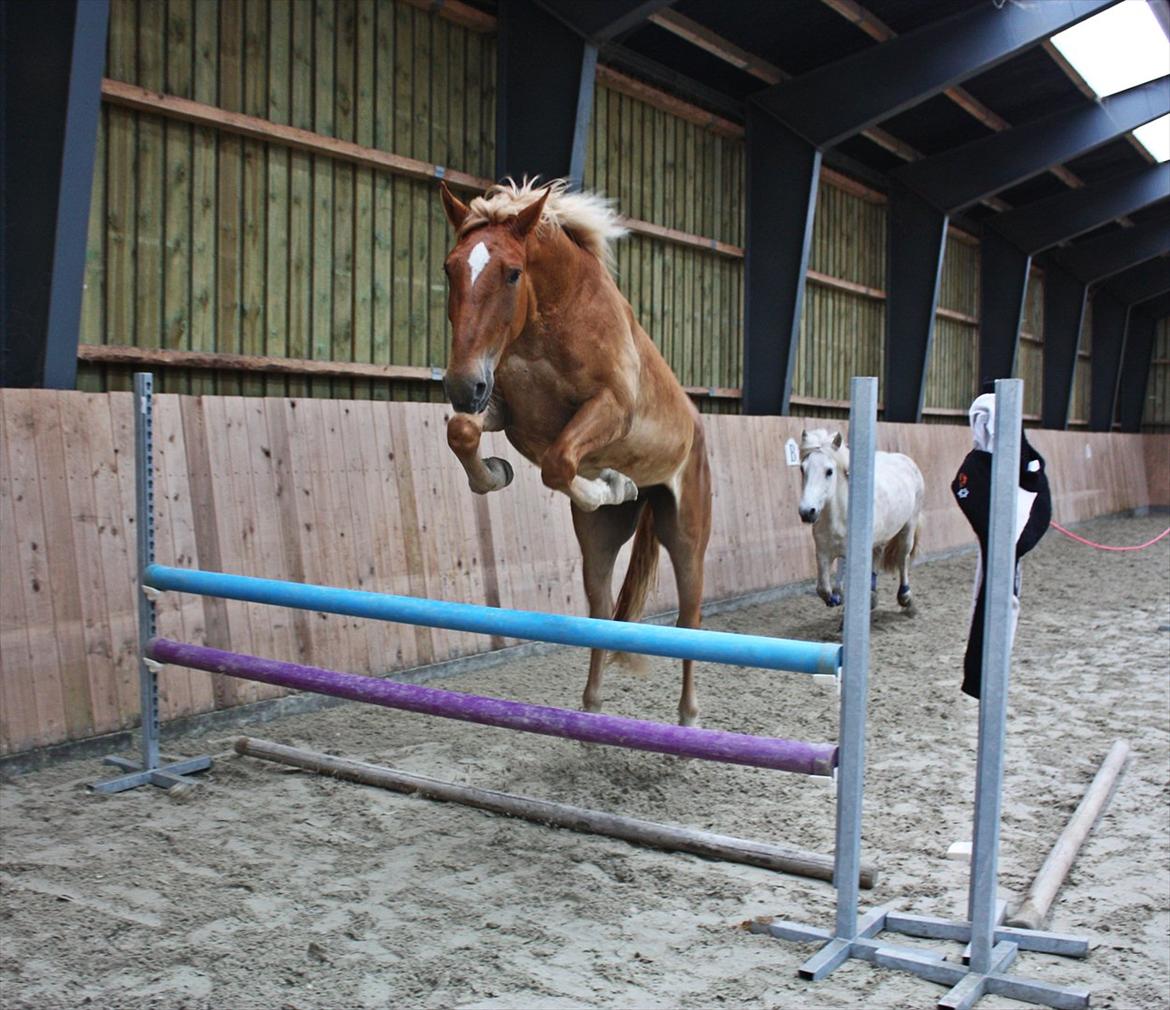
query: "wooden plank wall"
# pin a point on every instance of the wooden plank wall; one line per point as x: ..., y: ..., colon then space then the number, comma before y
x: 202, y: 240
x: 1078, y: 411
x: 1030, y: 356
x: 664, y: 170
x: 1156, y: 416
x: 842, y: 330
x: 952, y: 376
x: 364, y: 494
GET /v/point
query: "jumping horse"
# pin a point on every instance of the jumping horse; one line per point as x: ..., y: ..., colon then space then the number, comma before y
x: 546, y: 349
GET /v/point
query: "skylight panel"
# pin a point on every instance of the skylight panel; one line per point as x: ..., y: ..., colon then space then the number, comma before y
x: 1155, y: 138
x: 1120, y: 48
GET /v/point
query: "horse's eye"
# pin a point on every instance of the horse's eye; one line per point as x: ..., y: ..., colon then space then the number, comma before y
x: 829, y: 473
x: 514, y: 275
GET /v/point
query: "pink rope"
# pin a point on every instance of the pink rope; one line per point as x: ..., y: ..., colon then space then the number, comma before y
x: 1102, y: 547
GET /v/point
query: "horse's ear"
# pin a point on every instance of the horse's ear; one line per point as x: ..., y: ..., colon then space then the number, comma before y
x: 523, y: 223
x: 837, y: 441
x: 455, y: 208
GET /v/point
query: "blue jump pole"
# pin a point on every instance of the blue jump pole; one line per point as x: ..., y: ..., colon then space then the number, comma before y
x: 618, y: 636
x: 592, y: 727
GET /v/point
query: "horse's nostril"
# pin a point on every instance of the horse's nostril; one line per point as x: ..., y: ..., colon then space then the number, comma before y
x: 480, y: 389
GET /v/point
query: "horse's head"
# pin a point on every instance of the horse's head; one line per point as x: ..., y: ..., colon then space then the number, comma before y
x: 822, y: 461
x: 488, y: 296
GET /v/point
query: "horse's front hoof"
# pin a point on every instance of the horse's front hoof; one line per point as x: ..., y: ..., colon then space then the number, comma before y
x: 501, y: 470
x: 687, y: 719
x: 834, y: 600
x: 620, y: 486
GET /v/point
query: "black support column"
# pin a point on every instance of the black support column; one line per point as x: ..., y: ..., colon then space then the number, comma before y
x: 1003, y: 285
x: 544, y: 83
x: 1108, y: 340
x: 916, y: 240
x: 783, y: 171
x: 52, y: 55
x: 1064, y: 311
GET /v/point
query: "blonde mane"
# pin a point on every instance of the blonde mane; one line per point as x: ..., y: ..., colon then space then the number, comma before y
x: 587, y: 218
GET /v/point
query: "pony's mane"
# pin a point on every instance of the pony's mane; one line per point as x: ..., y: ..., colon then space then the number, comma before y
x: 588, y: 218
x: 822, y: 439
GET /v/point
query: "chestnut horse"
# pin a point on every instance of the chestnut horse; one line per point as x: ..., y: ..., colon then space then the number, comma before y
x: 546, y: 349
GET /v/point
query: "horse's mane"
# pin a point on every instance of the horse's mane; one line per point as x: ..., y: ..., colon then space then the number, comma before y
x: 822, y: 439
x: 588, y: 218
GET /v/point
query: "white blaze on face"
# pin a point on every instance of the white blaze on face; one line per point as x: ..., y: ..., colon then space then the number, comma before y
x: 478, y: 260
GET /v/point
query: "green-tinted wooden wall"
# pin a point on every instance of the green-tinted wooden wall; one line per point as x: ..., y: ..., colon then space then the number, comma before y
x: 1157, y: 411
x: 205, y: 241
x: 201, y: 240
x: 672, y: 173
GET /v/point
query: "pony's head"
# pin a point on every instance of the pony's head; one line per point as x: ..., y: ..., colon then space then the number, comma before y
x: 491, y: 293
x: 822, y: 462
x: 488, y: 294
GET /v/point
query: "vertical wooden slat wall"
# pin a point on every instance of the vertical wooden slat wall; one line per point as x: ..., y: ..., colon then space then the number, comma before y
x: 1156, y: 415
x: 1030, y: 355
x: 1078, y: 411
x: 668, y: 172
x: 355, y: 493
x: 952, y: 376
x: 202, y: 240
x: 842, y: 332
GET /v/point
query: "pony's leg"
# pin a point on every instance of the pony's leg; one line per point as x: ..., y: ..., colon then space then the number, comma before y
x: 825, y: 589
x: 597, y: 423
x: 684, y: 529
x: 601, y: 535
x: 463, y: 435
x: 905, y: 550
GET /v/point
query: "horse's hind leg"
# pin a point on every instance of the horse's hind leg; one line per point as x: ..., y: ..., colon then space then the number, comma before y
x: 601, y: 534
x: 684, y: 530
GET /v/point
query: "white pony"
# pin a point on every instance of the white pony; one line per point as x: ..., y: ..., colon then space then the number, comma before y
x: 899, y: 491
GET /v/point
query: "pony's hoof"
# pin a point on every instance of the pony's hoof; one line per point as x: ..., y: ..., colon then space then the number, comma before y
x: 873, y: 599
x: 904, y: 597
x: 689, y: 720
x: 501, y: 470
x: 834, y: 599
x: 620, y: 486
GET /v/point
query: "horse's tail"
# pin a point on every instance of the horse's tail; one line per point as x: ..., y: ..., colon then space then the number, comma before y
x: 641, y: 577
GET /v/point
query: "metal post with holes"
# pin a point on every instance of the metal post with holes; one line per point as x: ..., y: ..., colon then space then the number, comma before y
x: 149, y: 769
x: 993, y: 947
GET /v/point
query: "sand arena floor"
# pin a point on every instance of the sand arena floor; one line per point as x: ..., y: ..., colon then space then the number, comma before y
x: 270, y: 888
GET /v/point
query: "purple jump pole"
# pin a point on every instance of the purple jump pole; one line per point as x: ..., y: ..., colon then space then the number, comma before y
x: 637, y: 734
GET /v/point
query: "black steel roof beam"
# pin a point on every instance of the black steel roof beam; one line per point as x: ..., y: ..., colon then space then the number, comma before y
x: 1038, y: 226
x: 687, y: 88
x: 835, y: 102
x: 966, y: 174
x: 1099, y: 258
x: 1135, y: 367
x: 916, y: 240
x: 1064, y: 312
x: 1108, y: 341
x: 601, y: 20
x: 779, y: 236
x: 1140, y: 283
